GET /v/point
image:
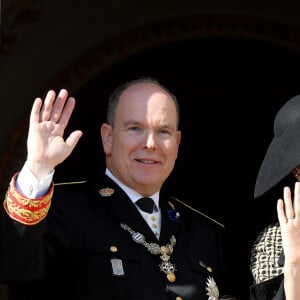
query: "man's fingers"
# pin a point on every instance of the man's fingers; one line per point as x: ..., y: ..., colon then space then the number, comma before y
x: 58, y: 105
x: 47, y: 106
x: 35, y: 111
x: 73, y: 139
x: 67, y: 112
x: 57, y: 109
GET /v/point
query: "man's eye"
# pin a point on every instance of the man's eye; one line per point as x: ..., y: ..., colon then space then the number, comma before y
x: 164, y: 131
x: 134, y: 128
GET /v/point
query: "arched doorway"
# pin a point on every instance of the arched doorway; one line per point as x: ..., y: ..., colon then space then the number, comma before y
x: 230, y: 80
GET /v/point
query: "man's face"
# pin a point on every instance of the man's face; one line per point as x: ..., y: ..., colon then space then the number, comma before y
x: 142, y: 146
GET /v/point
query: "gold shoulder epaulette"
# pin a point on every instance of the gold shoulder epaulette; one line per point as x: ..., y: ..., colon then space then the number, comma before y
x: 70, y: 182
x: 198, y: 212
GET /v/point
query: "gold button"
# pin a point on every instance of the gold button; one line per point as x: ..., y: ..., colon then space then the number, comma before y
x: 171, y: 277
x: 179, y: 298
x: 153, y: 218
x: 113, y: 249
x: 154, y: 225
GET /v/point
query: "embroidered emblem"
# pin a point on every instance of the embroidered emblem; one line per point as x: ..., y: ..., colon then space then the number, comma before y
x: 212, y: 289
x: 173, y: 214
x: 106, y: 192
x: 117, y: 267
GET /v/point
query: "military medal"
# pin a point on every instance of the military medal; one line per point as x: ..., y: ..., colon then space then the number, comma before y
x: 212, y: 290
x: 165, y: 252
x: 166, y: 266
x: 117, y: 267
x: 173, y: 214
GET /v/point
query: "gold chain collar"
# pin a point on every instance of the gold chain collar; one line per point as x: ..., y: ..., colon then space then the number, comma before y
x: 165, y: 252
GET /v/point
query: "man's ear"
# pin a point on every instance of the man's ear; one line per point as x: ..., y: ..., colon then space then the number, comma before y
x: 106, y: 135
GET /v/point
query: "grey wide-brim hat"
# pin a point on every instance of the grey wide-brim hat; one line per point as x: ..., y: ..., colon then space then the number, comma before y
x: 283, y: 153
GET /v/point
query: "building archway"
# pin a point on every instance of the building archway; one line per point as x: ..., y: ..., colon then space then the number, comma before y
x: 230, y: 74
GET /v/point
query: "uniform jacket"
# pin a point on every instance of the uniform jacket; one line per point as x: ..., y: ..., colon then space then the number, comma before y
x: 70, y: 254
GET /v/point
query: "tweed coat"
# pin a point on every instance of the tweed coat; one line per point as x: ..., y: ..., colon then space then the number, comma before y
x: 70, y: 254
x: 266, y: 265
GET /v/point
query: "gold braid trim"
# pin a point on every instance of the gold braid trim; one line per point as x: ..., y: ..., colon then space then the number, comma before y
x: 198, y: 212
x: 26, y: 210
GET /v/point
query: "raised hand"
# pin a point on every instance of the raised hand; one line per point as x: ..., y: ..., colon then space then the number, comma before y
x: 46, y: 146
x: 289, y: 219
x: 288, y: 211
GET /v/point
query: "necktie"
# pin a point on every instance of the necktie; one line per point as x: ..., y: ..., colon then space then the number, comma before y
x: 146, y: 204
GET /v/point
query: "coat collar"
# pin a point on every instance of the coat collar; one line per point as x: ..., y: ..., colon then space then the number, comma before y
x: 121, y: 208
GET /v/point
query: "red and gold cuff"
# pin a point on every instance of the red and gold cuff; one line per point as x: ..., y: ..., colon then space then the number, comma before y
x: 26, y: 210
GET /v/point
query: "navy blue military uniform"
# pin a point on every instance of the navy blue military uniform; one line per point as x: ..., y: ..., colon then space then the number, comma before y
x: 80, y: 251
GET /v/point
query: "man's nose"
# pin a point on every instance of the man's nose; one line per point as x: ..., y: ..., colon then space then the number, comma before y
x: 150, y: 140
